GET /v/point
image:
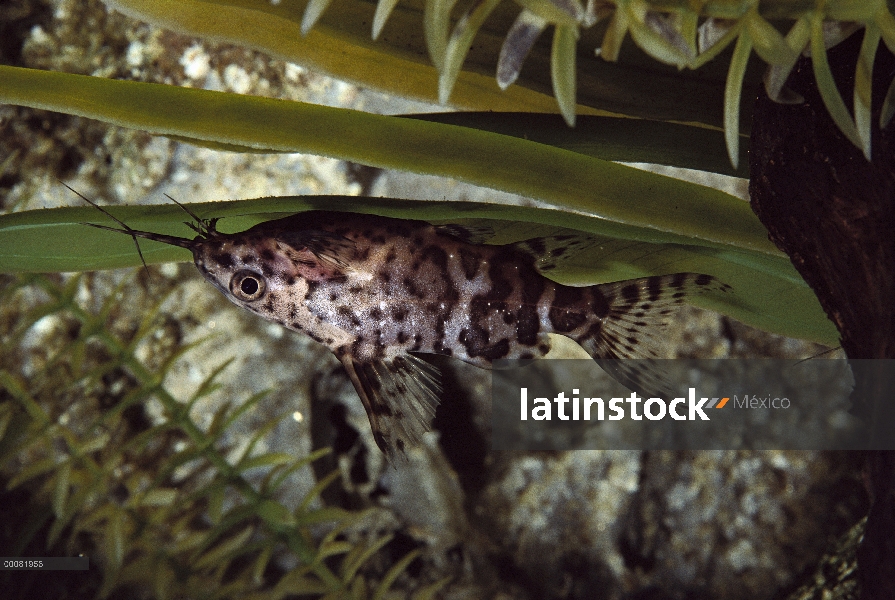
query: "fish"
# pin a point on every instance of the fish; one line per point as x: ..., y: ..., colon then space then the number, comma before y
x: 380, y: 291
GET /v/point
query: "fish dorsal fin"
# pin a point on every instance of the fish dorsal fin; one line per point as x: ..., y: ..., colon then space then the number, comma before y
x: 634, y: 317
x: 399, y: 395
x: 550, y: 251
x: 471, y: 234
x: 332, y: 251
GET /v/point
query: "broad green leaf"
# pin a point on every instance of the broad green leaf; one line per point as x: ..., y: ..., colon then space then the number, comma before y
x: 767, y: 291
x: 566, y: 180
x: 610, y: 138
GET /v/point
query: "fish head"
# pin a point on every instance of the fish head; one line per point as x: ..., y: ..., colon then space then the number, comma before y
x: 265, y: 261
x: 266, y: 269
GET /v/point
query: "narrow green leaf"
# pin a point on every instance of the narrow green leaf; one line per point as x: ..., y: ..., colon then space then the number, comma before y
x: 328, y: 549
x: 257, y: 435
x: 60, y: 488
x: 713, y: 51
x: 234, y: 516
x: 732, y: 93
x: 562, y: 68
x: 313, y: 12
x: 615, y: 35
x: 669, y: 48
x: 360, y: 554
x: 163, y: 578
x: 863, y: 91
x: 159, y: 497
x: 459, y: 43
x: 888, y: 109
x: 275, y: 514
x: 853, y: 10
x: 216, y: 503
x: 689, y: 29
x: 775, y: 79
x: 115, y: 542
x: 267, y: 459
x: 394, y: 573
x: 769, y: 44
x: 260, y: 565
x: 31, y: 471
x: 277, y: 478
x: 76, y: 510
x: 94, y: 444
x: 569, y: 15
x: 826, y: 85
x: 430, y: 592
x: 218, y: 419
x: 5, y: 418
x: 436, y: 23
x: 208, y: 384
x: 299, y: 583
x: 250, y: 403
x: 316, y: 491
x: 329, y: 514
x: 233, y: 546
x: 384, y: 9
x: 16, y: 388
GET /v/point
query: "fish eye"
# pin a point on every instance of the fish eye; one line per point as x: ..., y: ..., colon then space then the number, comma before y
x: 248, y: 285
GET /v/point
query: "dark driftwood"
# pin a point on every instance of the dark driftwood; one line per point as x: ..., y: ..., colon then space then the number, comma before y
x: 833, y: 213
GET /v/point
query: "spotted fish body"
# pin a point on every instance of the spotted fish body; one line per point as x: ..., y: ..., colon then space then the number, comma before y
x: 377, y: 291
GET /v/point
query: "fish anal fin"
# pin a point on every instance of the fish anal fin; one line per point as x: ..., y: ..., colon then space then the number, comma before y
x: 400, y: 396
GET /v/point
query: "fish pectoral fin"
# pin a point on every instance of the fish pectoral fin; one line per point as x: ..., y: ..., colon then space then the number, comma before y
x: 471, y: 234
x: 327, y: 247
x: 399, y: 395
x: 550, y: 251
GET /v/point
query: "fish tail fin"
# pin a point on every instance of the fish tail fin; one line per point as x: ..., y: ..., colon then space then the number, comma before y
x: 630, y: 320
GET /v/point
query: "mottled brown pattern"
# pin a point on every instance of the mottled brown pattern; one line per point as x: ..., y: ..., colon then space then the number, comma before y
x: 374, y: 289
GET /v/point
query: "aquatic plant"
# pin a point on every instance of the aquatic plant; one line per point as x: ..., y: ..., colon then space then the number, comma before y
x: 161, y: 502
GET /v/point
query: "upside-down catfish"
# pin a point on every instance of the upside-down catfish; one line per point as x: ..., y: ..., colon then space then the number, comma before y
x: 378, y: 290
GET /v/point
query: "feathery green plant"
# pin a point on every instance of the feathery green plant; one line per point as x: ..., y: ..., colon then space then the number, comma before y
x: 157, y: 505
x: 685, y: 35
